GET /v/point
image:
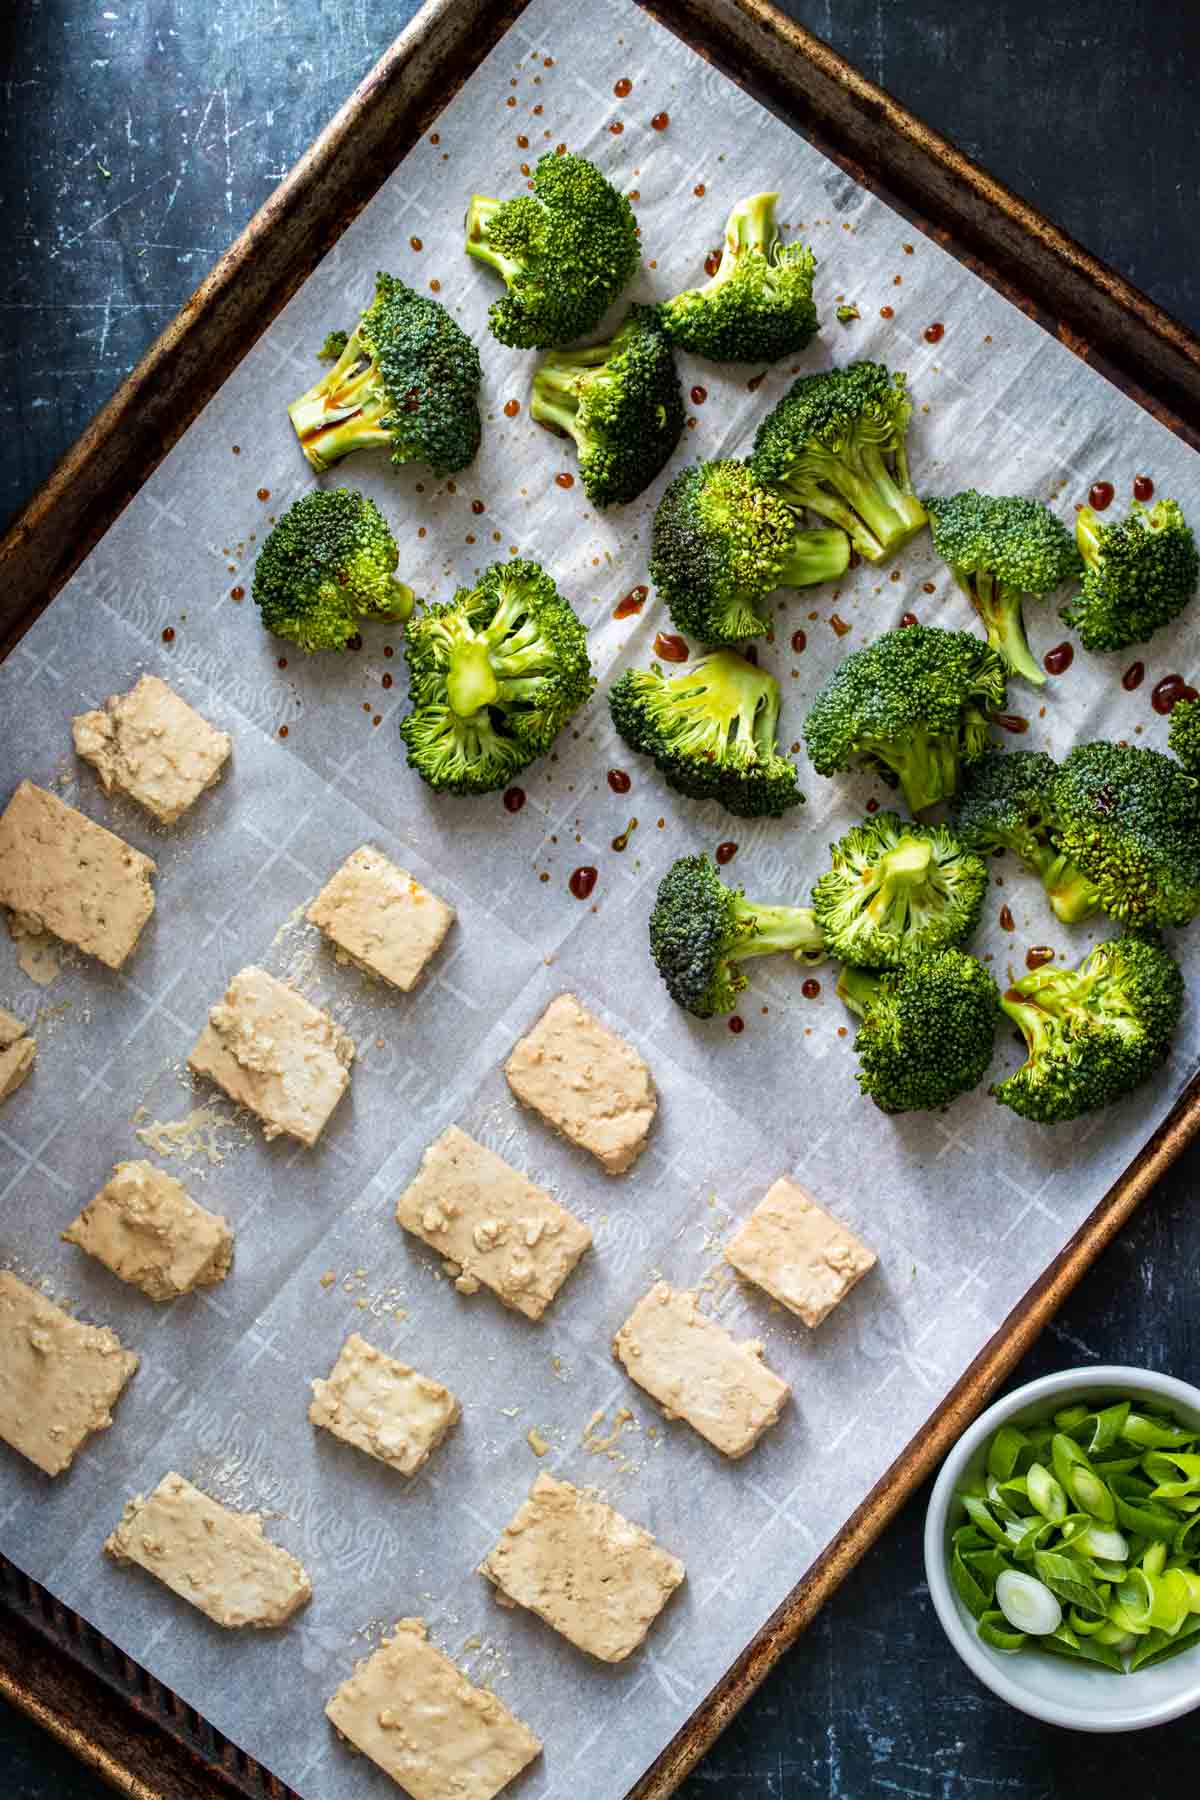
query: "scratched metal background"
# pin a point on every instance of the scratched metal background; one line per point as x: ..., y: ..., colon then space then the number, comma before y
x: 136, y: 137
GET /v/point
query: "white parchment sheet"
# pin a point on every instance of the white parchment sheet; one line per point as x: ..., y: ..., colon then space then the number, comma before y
x: 964, y: 1208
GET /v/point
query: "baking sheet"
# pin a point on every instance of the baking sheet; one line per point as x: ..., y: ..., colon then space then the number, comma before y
x: 965, y: 1209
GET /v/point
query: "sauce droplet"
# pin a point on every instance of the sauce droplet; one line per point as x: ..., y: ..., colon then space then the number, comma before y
x: 619, y: 781
x: 1007, y: 922
x: 726, y: 851
x: 622, y: 87
x: 283, y: 731
x: 872, y: 805
x: 386, y: 681
x: 660, y: 121
x: 799, y: 641
x: 1059, y: 660
x: 616, y: 128
x: 477, y: 507
x: 514, y: 799
x: 1143, y: 488
x: 927, y: 587
x: 1037, y: 954
x: 712, y: 262
x: 582, y: 881
x: 168, y: 636
x: 621, y: 841
x: 699, y: 190
x: 237, y: 593
x: 907, y: 619
x: 1166, y: 695
x: 810, y: 988
x: 839, y: 624
x: 416, y: 243
x: 885, y: 312
x: 633, y: 602
x: 565, y: 479
x: 1100, y: 495
x: 755, y: 382
x: 511, y: 408
x: 699, y: 395
x: 933, y: 334
x: 671, y: 647
x: 1010, y: 722
x: 1133, y: 677
x: 737, y: 1024
x: 264, y: 493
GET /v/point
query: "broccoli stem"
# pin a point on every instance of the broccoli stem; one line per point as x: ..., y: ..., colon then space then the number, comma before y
x: 866, y: 500
x: 857, y: 988
x: 750, y: 226
x: 338, y: 392
x: 470, y: 681
x: 480, y: 214
x: 999, y: 606
x: 1070, y: 893
x: 926, y: 767
x: 821, y: 554
x: 1087, y: 535
x: 777, y: 928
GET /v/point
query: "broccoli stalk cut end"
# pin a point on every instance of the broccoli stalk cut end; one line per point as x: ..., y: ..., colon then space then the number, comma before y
x: 1000, y: 608
x: 480, y: 214
x: 344, y: 410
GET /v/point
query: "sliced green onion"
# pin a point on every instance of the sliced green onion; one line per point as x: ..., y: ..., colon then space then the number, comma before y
x: 1045, y: 1493
x: 1158, y: 1647
x: 1089, y: 1627
x: 981, y: 1517
x: 1107, y: 1427
x: 1156, y: 1434
x: 1071, y: 1416
x: 1155, y: 1558
x: 1027, y: 1603
x: 976, y: 1598
x: 1147, y: 1522
x: 1004, y: 1450
x: 1066, y: 1455
x: 1069, y: 1578
x: 1091, y: 1493
x: 1064, y: 1642
x: 1106, y: 1544
x: 993, y: 1629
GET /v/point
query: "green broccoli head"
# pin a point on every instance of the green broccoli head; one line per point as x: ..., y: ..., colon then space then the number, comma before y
x: 722, y: 543
x: 1129, y: 820
x: 711, y: 732
x: 1001, y: 548
x: 1183, y: 735
x: 928, y: 1028
x: 702, y: 931
x: 758, y: 306
x: 893, y: 889
x: 495, y: 674
x: 622, y: 404
x: 328, y: 564
x: 564, y: 252
x: 1093, y: 1033
x: 1006, y: 802
x: 914, y: 705
x: 836, y: 443
x: 1140, y: 573
x: 333, y: 346
x: 406, y: 381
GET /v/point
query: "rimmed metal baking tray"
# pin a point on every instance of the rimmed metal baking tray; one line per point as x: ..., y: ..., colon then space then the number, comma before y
x: 138, y: 1735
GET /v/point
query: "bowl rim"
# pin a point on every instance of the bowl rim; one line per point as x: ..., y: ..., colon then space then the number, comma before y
x: 984, y: 1663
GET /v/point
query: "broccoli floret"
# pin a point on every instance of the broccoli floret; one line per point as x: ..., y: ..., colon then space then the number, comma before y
x: 495, y: 674
x: 711, y: 731
x: 1092, y: 1033
x: 1001, y: 548
x: 406, y: 382
x: 928, y: 1028
x: 1130, y: 821
x: 1006, y: 802
x: 622, y: 404
x: 328, y: 564
x: 893, y: 889
x: 564, y: 252
x: 913, y: 704
x: 722, y: 543
x: 1183, y: 735
x: 836, y: 443
x: 1140, y: 573
x: 333, y: 346
x: 702, y: 931
x: 758, y: 306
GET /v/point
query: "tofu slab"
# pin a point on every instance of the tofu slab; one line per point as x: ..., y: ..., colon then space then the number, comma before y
x: 59, y: 1379
x: 152, y: 747
x: 698, y: 1372
x: 597, y: 1578
x: 804, y: 1257
x: 434, y: 1732
x: 60, y: 872
x: 383, y: 1407
x: 380, y: 918
x: 275, y: 1053
x: 215, y: 1558
x: 586, y: 1082
x: 17, y: 1054
x: 492, y: 1224
x: 146, y: 1228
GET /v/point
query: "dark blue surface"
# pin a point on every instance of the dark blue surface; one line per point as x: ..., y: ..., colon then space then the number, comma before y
x: 136, y: 138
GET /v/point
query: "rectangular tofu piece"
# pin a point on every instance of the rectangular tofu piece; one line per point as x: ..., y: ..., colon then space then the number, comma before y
x: 698, y: 1372
x: 434, y: 1732
x: 216, y: 1558
x: 146, y: 1228
x: 491, y: 1224
x: 59, y: 1379
x: 152, y: 747
x: 276, y: 1053
x: 17, y: 1053
x: 586, y: 1082
x: 596, y: 1577
x: 60, y: 872
x: 798, y: 1252
x: 381, y: 919
x: 383, y: 1407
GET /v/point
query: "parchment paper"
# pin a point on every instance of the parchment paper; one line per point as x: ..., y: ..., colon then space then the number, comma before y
x: 964, y: 1208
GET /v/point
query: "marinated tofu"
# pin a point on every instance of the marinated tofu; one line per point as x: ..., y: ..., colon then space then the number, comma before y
x: 590, y: 1573
x: 152, y: 747
x: 800, y: 1254
x: 586, y: 1082
x: 146, y: 1228
x: 218, y: 1560
x: 434, y: 1732
x: 61, y: 873
x: 275, y: 1053
x: 381, y: 919
x: 17, y: 1053
x: 382, y: 1406
x: 491, y: 1224
x: 698, y: 1372
x: 59, y: 1378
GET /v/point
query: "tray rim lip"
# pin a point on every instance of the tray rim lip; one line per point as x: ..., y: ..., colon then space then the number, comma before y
x: 1165, y: 1144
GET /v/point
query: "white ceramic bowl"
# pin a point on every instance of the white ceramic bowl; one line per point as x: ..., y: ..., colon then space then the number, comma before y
x: 1049, y: 1687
